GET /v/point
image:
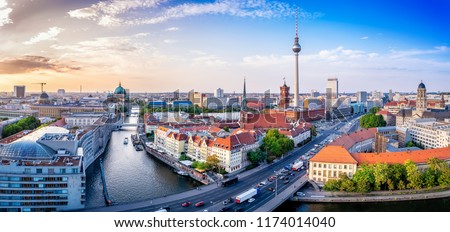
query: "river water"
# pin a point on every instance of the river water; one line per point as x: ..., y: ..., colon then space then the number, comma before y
x: 131, y: 175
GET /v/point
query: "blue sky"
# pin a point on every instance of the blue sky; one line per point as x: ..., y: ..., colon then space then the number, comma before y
x: 164, y: 45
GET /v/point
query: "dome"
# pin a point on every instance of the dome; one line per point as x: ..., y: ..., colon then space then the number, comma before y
x: 27, y: 150
x: 421, y: 86
x: 44, y: 95
x: 120, y: 90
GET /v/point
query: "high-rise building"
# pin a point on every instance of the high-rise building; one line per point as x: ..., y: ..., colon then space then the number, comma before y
x: 333, y: 87
x: 296, y: 49
x: 218, y: 92
x: 361, y: 96
x: 19, y: 91
x: 331, y: 95
x: 314, y: 93
x: 61, y: 92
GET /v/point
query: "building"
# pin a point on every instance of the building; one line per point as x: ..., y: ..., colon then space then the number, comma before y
x: 358, y: 141
x: 218, y: 93
x: 361, y: 96
x: 51, y: 178
x: 44, y: 99
x: 61, y: 92
x: 331, y: 97
x: 55, y: 111
x: 284, y: 96
x: 12, y: 113
x: 330, y: 162
x: 314, y: 93
x: 429, y: 133
x: 19, y: 91
x: 298, y: 134
x: 176, y: 144
x: 388, y: 117
x: 81, y: 120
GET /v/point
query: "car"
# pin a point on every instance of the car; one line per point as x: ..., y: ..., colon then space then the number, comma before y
x: 225, y: 202
x: 281, y: 177
x: 271, y: 189
x: 251, y: 200
x: 263, y: 183
x: 300, y: 194
x: 200, y: 203
x: 186, y: 204
x: 286, y: 181
x: 292, y: 174
x: 224, y: 209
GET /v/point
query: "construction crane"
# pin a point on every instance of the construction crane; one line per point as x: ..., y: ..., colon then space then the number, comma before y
x: 42, y: 85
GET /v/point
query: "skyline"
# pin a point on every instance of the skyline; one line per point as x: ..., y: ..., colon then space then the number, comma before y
x: 204, y: 45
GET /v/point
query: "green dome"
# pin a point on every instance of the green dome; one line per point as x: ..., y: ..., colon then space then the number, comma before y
x: 120, y: 90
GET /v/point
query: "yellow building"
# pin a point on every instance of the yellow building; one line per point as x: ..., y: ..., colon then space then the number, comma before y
x: 56, y: 111
x: 330, y: 162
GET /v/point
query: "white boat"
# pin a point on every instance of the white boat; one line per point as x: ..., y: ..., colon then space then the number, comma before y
x: 182, y: 173
x: 125, y: 141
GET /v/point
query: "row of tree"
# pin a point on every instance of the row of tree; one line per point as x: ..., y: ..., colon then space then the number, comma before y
x: 382, y: 176
x: 276, y: 144
x: 28, y: 123
x: 372, y: 120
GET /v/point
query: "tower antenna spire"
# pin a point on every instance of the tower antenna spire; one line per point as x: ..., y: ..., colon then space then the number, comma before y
x: 296, y: 23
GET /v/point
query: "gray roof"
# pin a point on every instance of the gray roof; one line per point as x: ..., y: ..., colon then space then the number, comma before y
x: 26, y: 150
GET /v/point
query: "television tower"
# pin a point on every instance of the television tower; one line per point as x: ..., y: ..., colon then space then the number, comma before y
x: 296, y: 49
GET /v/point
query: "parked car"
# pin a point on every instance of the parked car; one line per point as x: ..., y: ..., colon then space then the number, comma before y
x: 186, y: 204
x: 271, y: 189
x: 225, y: 202
x: 200, y: 203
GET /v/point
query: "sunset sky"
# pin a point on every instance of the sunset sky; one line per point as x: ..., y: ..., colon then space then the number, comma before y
x: 164, y: 45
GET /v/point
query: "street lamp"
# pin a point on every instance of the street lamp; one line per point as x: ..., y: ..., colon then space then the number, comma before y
x: 276, y: 183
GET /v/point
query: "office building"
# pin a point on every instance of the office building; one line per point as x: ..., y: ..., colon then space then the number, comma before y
x: 19, y: 91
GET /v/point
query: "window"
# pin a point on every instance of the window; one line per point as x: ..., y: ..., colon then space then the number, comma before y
x: 27, y: 170
x: 345, y: 166
x: 62, y: 170
x: 320, y: 165
x: 39, y: 170
x: 314, y: 165
x: 51, y: 171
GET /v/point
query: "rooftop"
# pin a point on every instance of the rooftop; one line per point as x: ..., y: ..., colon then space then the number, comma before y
x: 420, y: 156
x: 334, y: 154
x: 347, y: 141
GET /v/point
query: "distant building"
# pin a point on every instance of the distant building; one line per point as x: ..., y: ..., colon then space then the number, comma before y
x: 331, y: 98
x: 218, y: 92
x: 19, y: 91
x: 58, y: 110
x: 61, y: 92
x: 314, y: 93
x: 361, y: 96
x: 284, y: 97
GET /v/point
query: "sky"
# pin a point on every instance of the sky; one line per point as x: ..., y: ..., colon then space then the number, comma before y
x: 165, y: 45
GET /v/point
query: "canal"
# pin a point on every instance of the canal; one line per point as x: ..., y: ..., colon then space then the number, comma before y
x: 131, y: 175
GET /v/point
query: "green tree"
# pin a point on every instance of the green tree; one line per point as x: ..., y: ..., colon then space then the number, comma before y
x: 444, y: 179
x: 332, y: 185
x: 276, y: 144
x: 227, y: 129
x: 364, y: 178
x: 372, y: 120
x: 410, y: 144
x: 374, y: 110
x: 213, y: 161
x: 313, y: 131
x: 413, y: 175
x: 397, y: 174
x: 381, y: 175
x: 256, y: 157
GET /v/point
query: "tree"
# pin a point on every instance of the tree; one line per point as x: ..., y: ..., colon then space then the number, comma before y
x: 410, y: 144
x: 227, y: 129
x: 374, y: 110
x: 313, y: 131
x: 381, y: 175
x: 413, y: 175
x: 397, y: 174
x: 372, y: 120
x: 332, y: 185
x: 364, y: 178
x: 213, y: 161
x: 256, y: 157
x: 276, y: 144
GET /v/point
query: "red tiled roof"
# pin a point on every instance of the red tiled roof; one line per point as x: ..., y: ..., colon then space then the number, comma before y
x: 214, y: 129
x: 420, y: 156
x: 59, y: 123
x: 267, y: 120
x: 348, y: 140
x: 235, y: 141
x: 334, y: 154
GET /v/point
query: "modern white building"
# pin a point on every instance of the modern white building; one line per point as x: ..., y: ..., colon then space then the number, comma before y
x: 42, y: 171
x: 81, y: 120
x: 429, y: 133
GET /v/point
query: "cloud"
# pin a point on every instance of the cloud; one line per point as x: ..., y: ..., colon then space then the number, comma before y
x: 51, y: 34
x: 261, y: 61
x: 172, y: 29
x: 419, y: 52
x: 27, y: 64
x: 169, y: 41
x: 365, y: 37
x: 107, y: 13
x: 114, y: 13
x: 208, y: 60
x: 4, y: 13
